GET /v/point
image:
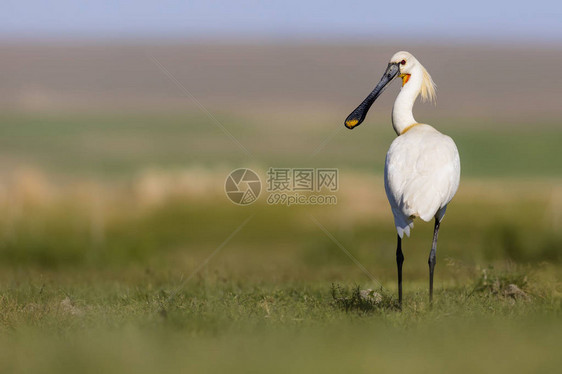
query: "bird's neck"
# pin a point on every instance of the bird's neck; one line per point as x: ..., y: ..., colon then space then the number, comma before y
x: 402, y: 116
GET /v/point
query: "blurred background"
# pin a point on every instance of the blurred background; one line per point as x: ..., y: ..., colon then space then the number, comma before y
x: 120, y: 120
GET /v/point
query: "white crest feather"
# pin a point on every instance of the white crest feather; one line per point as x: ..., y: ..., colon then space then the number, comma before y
x: 428, y: 87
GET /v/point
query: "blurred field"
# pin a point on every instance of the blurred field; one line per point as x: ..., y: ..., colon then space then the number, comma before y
x: 123, y: 145
x: 102, y: 277
x: 110, y: 213
x: 493, y: 81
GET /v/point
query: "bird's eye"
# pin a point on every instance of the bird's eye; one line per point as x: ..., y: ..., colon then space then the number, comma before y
x: 403, y: 62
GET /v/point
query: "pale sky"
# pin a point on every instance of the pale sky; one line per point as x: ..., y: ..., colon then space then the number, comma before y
x: 513, y: 21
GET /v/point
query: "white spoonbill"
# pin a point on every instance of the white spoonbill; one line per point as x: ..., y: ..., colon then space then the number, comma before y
x: 422, y: 168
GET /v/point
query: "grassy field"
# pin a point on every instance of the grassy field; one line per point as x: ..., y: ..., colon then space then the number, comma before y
x: 138, y: 324
x: 117, y: 145
x: 120, y: 253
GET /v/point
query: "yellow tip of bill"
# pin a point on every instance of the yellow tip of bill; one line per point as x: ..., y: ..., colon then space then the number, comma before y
x: 351, y: 123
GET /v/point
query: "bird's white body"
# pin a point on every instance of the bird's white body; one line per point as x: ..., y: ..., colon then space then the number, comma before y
x: 421, y: 176
x: 422, y: 168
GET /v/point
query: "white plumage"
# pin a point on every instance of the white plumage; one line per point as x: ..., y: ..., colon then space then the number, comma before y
x: 421, y: 176
x: 422, y: 168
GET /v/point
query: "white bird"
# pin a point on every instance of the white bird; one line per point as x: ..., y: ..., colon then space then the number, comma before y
x: 422, y: 169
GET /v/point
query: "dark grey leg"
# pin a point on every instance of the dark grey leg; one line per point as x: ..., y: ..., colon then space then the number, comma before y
x: 399, y: 262
x: 432, y: 258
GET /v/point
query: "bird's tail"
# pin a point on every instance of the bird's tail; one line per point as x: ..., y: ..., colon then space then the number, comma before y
x: 403, y: 226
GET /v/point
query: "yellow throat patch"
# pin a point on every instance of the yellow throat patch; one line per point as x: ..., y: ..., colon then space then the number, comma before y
x: 405, y: 78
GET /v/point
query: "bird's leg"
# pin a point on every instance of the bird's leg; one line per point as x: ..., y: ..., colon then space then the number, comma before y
x: 432, y: 258
x: 399, y: 262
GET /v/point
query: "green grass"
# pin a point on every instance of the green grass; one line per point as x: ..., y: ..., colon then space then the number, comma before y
x: 122, y: 145
x: 280, y: 296
x: 112, y: 282
x: 140, y: 324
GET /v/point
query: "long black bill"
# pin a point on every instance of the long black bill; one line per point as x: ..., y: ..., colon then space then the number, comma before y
x: 359, y: 114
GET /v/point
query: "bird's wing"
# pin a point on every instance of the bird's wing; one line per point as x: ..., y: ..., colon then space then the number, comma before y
x: 422, y: 173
